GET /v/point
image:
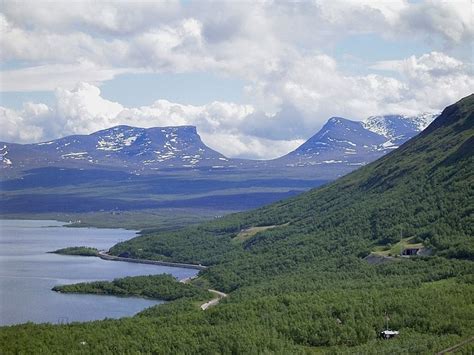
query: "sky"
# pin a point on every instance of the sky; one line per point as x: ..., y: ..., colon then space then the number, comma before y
x: 257, y: 78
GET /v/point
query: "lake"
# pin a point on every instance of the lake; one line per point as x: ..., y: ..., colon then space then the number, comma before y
x: 28, y: 272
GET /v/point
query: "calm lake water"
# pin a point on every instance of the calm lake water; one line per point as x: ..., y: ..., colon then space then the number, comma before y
x: 28, y: 272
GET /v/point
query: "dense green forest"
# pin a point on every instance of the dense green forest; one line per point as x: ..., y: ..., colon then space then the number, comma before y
x: 304, y: 286
x: 82, y: 251
x: 164, y: 287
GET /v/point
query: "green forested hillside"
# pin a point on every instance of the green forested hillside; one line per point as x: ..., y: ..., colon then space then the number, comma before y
x: 423, y: 189
x: 303, y: 285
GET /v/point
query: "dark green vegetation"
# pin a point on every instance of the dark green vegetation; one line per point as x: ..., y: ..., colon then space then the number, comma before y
x: 304, y: 286
x: 83, y: 251
x: 162, y: 287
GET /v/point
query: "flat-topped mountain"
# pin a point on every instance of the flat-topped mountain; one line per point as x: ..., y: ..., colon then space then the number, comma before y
x: 122, y: 147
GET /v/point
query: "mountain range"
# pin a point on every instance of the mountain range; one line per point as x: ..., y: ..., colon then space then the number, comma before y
x: 136, y: 169
x: 138, y: 150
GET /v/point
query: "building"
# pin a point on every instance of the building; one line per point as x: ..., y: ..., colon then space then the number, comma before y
x: 410, y: 251
x: 388, y: 334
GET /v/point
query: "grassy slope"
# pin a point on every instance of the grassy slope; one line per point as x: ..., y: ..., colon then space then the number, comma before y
x: 304, y: 287
x: 396, y: 249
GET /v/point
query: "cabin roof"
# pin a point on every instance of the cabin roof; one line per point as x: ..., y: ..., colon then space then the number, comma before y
x: 390, y: 332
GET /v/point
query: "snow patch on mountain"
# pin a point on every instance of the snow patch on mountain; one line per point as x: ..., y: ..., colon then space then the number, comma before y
x: 424, y: 120
x: 332, y: 161
x: 388, y: 145
x: 76, y: 155
x: 6, y: 162
x: 117, y: 140
x: 390, y: 126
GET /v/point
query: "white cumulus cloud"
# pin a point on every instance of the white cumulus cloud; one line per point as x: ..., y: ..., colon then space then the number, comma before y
x: 433, y: 80
x: 83, y: 110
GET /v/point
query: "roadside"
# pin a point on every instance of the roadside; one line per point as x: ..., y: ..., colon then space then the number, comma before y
x: 103, y: 255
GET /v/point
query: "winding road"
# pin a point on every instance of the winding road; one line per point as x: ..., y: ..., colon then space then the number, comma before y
x: 220, y: 295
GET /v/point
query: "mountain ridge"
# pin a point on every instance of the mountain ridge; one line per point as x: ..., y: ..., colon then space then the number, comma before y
x: 340, y: 141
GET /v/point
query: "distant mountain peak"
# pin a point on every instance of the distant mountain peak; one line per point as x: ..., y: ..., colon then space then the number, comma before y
x: 351, y: 143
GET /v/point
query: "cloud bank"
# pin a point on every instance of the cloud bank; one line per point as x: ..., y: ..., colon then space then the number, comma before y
x: 284, y: 51
x: 300, y: 100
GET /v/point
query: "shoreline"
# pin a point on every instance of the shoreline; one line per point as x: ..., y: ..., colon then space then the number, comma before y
x: 103, y: 255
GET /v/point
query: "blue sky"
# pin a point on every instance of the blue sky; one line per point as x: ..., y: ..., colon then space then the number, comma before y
x: 142, y: 89
x: 233, y: 69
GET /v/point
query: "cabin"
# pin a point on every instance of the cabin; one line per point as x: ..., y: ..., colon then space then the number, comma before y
x: 410, y: 251
x: 388, y: 334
